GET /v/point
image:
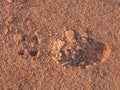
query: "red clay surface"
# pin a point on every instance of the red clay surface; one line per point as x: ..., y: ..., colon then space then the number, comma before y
x: 59, y: 45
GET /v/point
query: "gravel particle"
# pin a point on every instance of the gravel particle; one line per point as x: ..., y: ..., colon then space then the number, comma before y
x: 10, y: 1
x: 33, y: 52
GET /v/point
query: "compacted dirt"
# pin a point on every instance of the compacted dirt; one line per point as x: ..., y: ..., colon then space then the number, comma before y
x: 59, y: 45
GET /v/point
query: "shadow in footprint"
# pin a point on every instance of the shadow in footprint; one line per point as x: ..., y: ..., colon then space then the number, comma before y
x: 91, y: 54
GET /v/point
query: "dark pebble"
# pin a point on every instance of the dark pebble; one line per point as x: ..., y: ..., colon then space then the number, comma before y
x: 34, y: 39
x: 24, y: 38
x: 33, y: 52
x: 21, y: 52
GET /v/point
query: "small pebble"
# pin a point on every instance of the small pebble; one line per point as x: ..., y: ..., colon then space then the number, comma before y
x: 10, y: 1
x: 34, y: 39
x: 70, y: 35
x: 33, y: 52
x: 21, y: 52
x: 24, y: 38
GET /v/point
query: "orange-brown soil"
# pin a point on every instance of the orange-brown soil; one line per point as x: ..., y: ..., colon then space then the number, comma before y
x: 59, y: 44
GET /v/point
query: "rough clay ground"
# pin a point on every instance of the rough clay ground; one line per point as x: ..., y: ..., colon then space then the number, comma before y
x: 59, y: 45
